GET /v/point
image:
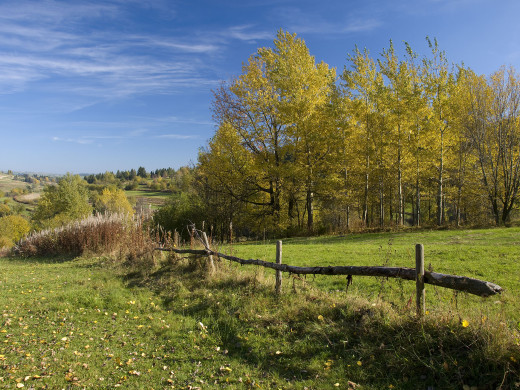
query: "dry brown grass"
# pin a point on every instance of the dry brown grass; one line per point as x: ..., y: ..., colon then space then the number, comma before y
x: 28, y: 198
x: 116, y: 235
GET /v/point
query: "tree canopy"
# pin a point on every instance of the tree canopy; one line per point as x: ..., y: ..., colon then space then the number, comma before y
x: 394, y: 140
x: 64, y: 202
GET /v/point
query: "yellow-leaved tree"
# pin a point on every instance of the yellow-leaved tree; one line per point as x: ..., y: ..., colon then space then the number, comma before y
x: 113, y: 200
x: 272, y: 120
x: 12, y: 229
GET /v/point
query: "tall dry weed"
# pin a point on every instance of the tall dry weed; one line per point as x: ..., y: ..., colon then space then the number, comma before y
x: 118, y: 235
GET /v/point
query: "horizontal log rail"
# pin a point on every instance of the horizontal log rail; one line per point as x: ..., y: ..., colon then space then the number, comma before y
x: 459, y: 283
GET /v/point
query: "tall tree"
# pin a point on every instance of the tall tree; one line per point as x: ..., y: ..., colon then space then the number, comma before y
x: 438, y: 82
x: 494, y: 130
x: 359, y: 85
x: 398, y: 95
x: 274, y: 111
x: 305, y: 91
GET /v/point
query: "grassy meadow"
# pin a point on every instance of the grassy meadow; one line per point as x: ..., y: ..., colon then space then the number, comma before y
x: 488, y: 254
x: 147, y: 197
x: 92, y: 322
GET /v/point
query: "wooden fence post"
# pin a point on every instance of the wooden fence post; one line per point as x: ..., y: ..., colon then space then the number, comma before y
x: 278, y: 286
x: 206, y: 244
x: 176, y: 240
x: 419, y: 279
x: 192, y: 233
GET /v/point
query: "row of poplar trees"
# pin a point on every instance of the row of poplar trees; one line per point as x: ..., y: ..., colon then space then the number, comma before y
x: 391, y: 141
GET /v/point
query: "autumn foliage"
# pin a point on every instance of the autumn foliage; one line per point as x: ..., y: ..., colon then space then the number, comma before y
x: 395, y: 140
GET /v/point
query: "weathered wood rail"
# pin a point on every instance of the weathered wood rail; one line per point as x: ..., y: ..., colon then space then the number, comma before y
x: 455, y: 282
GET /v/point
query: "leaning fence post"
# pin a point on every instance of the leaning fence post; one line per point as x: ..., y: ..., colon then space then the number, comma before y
x: 419, y: 279
x: 206, y: 244
x: 278, y: 286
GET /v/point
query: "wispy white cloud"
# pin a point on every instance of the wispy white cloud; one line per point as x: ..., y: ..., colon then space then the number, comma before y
x: 97, y: 138
x: 361, y: 25
x: 176, y: 136
x: 301, y: 22
x: 50, y: 11
x: 247, y: 33
x: 173, y: 44
x: 81, y: 141
x: 52, y: 40
x: 175, y: 119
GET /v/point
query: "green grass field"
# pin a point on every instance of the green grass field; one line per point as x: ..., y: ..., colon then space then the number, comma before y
x: 153, y: 198
x: 72, y: 323
x: 488, y: 254
x: 90, y: 323
x: 148, y: 194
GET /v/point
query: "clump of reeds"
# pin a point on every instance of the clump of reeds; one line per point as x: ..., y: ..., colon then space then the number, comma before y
x: 108, y: 234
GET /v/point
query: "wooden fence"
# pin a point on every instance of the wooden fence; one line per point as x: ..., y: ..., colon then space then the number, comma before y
x: 421, y: 277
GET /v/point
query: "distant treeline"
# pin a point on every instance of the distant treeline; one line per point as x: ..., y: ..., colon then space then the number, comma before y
x: 164, y: 179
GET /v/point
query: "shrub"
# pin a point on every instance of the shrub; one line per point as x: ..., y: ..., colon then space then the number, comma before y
x: 109, y: 234
x: 179, y: 213
x: 12, y: 229
x: 4, y: 210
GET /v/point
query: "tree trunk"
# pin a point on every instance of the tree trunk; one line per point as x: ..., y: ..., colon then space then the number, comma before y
x: 348, y: 218
x: 310, y: 210
x: 381, y: 204
x: 400, y: 182
x: 440, y: 189
x: 417, y: 204
x: 365, y: 203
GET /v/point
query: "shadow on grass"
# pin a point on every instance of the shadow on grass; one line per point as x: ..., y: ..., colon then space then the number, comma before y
x: 43, y: 260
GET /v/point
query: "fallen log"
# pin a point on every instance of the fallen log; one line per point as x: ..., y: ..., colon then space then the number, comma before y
x: 454, y: 282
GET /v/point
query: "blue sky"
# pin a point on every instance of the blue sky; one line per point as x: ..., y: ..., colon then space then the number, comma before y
x: 89, y: 86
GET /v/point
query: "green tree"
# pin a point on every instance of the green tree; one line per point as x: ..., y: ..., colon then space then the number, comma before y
x: 141, y: 172
x: 64, y: 202
x: 360, y: 86
x: 304, y: 95
x: 179, y: 213
x: 438, y: 86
